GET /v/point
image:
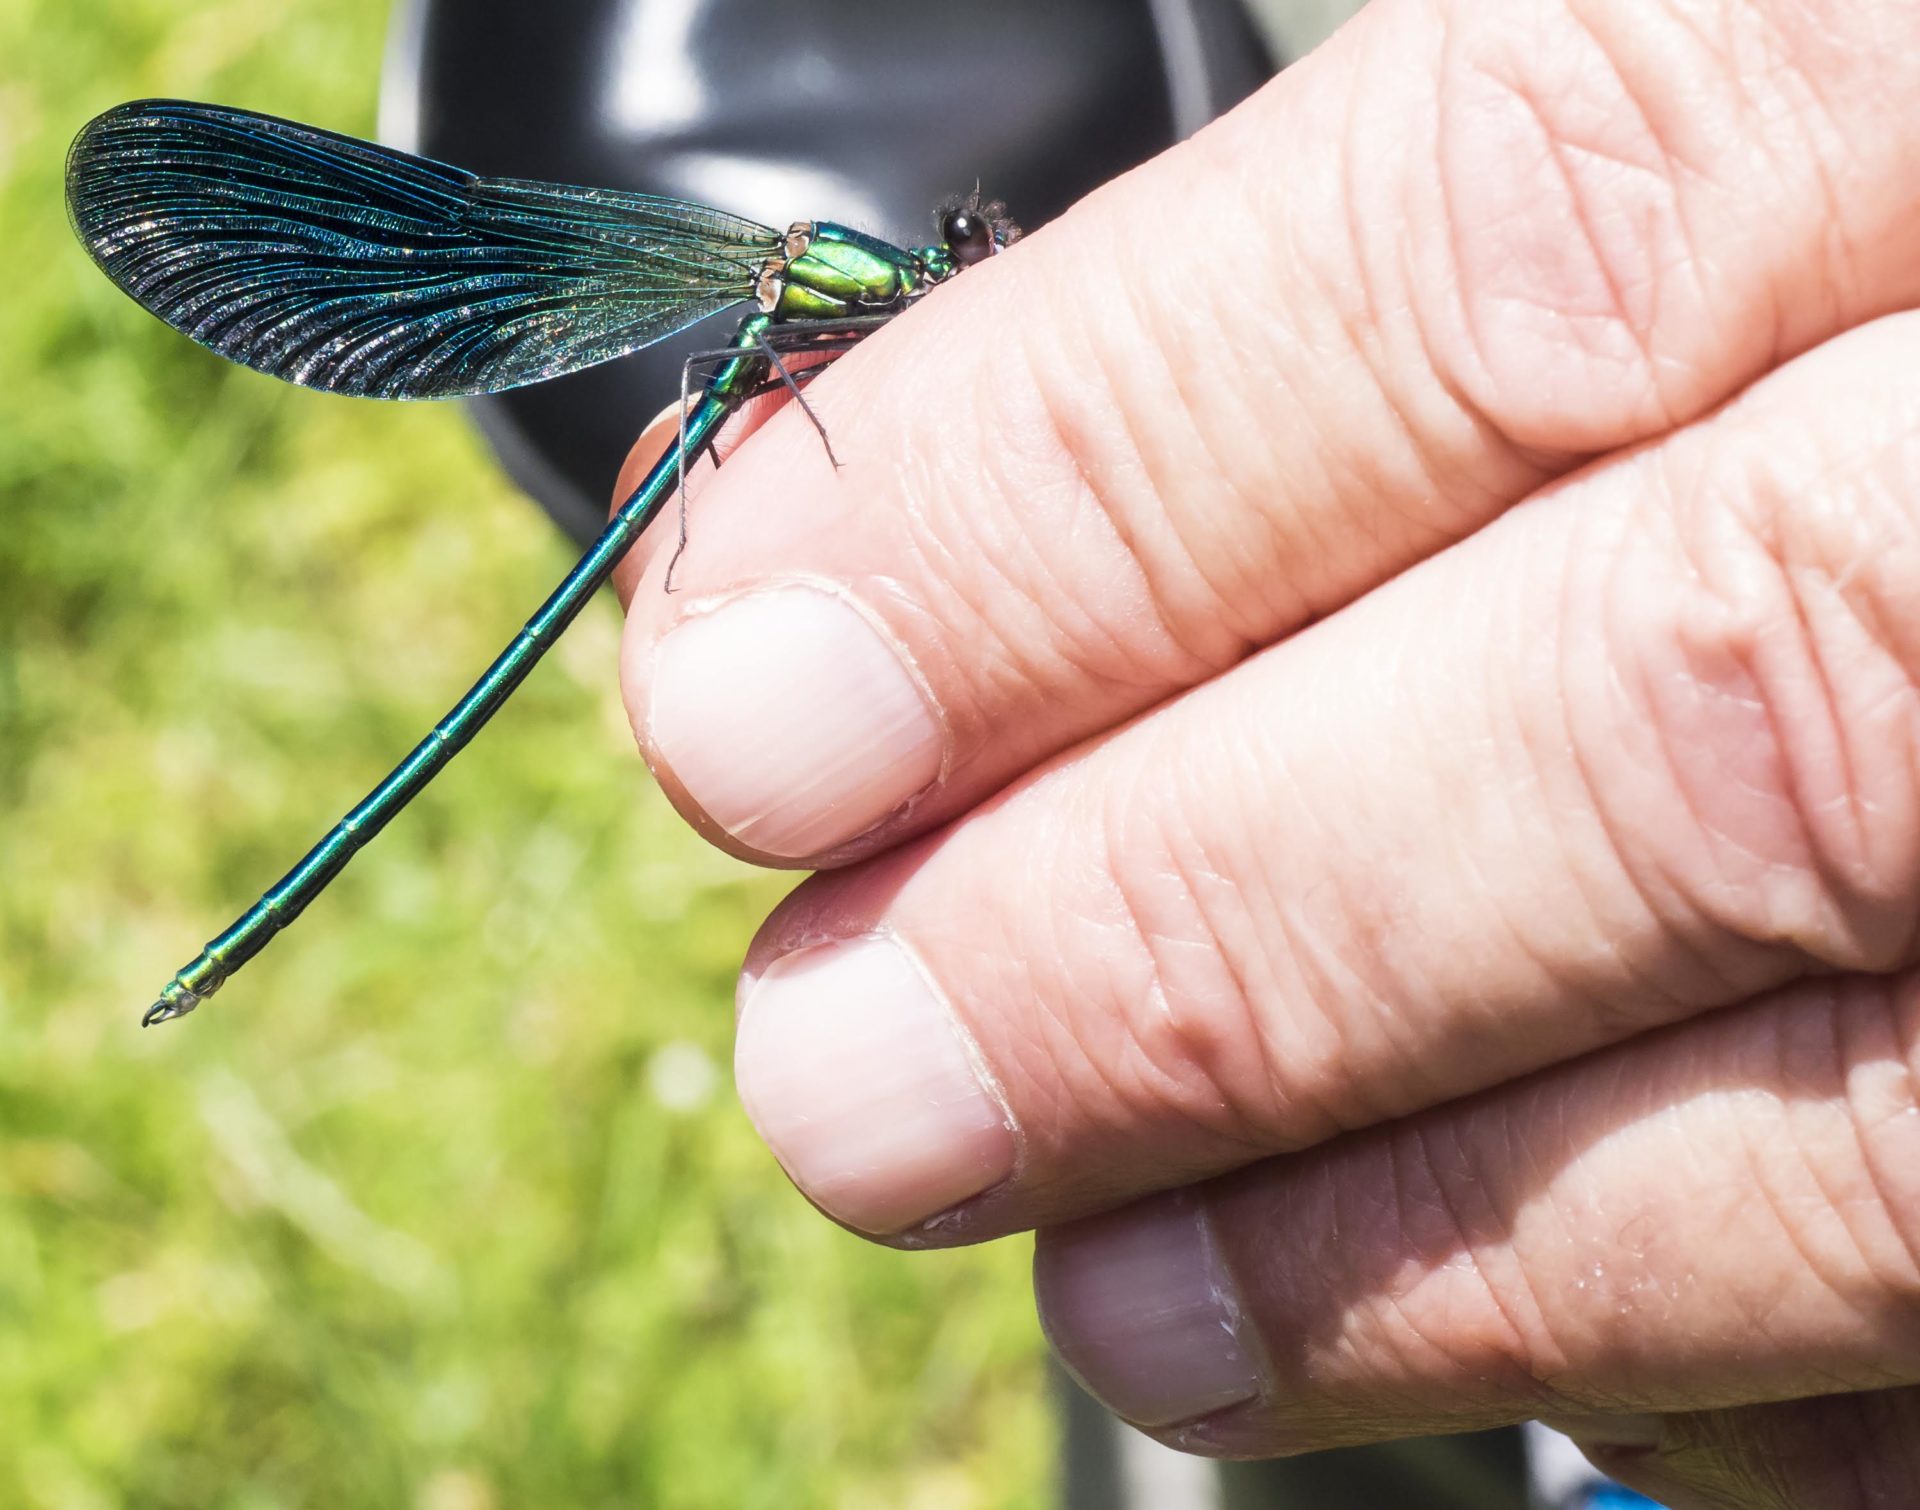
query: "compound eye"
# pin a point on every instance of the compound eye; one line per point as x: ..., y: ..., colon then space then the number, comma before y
x: 968, y: 235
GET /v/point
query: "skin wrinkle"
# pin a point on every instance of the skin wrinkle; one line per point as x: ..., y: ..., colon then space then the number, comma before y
x: 1046, y: 457
x: 1294, y: 951
x: 1634, y: 1102
x: 1517, y: 1156
x: 1502, y: 472
x: 1184, y: 1051
x: 1079, y: 641
x: 1848, y: 871
x: 995, y: 573
x: 1061, y: 1047
x: 1475, y: 498
x: 1049, y: 1099
x: 1418, y: 1078
x: 1343, y: 1105
x: 1394, y: 1331
x: 1772, y: 546
x: 1365, y: 329
x: 1501, y: 694
x: 1145, y: 1041
x: 1679, y: 171
x: 1773, y: 957
x: 1903, y: 1025
x: 1015, y: 569
x: 1840, y: 271
x: 1756, y: 1309
x: 1834, y: 926
x: 1887, y: 1208
x: 1542, y: 111
x: 942, y: 607
x: 1467, y: 499
x: 1480, y: 342
x: 1322, y: 975
x: 1399, y: 997
x: 1831, y: 870
x: 1455, y: 284
x: 1339, y: 1232
x: 1781, y: 344
x: 1760, y: 1307
x: 1498, y: 697
x: 1326, y: 981
x: 1532, y: 467
x: 1073, y: 436
x: 1163, y: 477
x: 1258, y: 1025
x: 1247, y: 602
x: 1338, y: 969
x: 1820, y: 583
x: 1521, y: 1354
x: 994, y: 631
x: 1765, y: 1161
x: 1135, y: 1079
x: 1546, y: 1363
x: 1840, y: 268
x: 1617, y: 843
x: 1127, y: 970
x: 1409, y: 1147
x: 1735, y: 623
x: 1619, y: 307
x: 1802, y: 1240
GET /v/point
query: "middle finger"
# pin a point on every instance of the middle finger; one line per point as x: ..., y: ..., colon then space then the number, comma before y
x: 1645, y: 747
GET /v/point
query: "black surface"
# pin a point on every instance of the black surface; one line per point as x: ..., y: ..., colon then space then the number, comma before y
x: 863, y: 111
x: 1481, y: 1471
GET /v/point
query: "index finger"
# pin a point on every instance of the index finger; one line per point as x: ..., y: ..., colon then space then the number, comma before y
x: 1453, y: 254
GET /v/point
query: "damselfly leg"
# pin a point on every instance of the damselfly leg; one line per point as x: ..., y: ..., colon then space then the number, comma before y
x: 826, y: 342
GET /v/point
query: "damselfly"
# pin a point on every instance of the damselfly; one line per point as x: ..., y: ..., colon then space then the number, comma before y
x: 346, y: 266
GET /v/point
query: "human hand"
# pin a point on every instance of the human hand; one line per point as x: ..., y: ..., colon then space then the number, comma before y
x: 1359, y: 692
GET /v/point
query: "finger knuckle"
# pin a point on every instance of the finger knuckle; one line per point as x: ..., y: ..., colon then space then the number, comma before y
x: 1202, y: 1036
x: 1585, y: 179
x: 1765, y: 646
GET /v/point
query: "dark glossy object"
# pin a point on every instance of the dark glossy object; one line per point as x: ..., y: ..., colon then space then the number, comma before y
x: 864, y: 111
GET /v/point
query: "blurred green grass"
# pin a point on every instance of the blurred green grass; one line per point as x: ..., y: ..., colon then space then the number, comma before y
x: 448, y: 1203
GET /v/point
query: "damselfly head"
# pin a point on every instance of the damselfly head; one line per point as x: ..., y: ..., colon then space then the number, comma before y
x: 973, y: 230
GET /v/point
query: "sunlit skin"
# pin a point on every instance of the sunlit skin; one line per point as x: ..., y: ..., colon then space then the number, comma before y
x: 1405, y: 733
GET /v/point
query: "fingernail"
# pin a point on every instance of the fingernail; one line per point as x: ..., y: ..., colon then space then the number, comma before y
x: 857, y: 1076
x: 1142, y: 1311
x: 790, y: 720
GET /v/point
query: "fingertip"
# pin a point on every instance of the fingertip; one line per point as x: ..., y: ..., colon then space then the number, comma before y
x: 857, y: 1075
x: 788, y: 717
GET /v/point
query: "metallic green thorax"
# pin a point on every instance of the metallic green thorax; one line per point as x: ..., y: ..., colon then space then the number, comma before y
x: 833, y: 273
